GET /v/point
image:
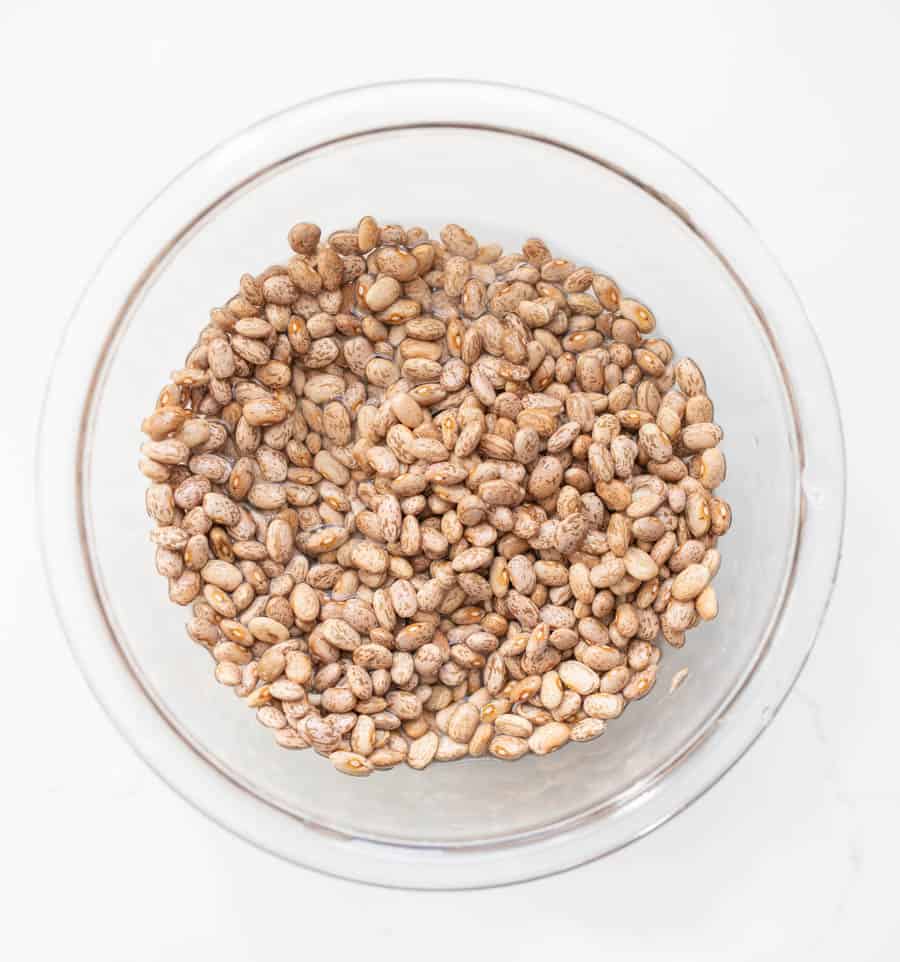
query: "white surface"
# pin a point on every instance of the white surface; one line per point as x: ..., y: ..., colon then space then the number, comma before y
x: 789, y: 109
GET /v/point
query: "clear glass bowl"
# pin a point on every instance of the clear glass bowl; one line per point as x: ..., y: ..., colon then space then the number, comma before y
x: 506, y: 163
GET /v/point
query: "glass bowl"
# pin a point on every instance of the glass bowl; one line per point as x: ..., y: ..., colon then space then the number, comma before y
x: 506, y: 163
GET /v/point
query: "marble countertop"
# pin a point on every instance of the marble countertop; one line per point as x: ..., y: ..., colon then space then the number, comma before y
x: 788, y: 109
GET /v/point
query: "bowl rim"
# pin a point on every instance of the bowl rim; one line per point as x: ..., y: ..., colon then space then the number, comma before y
x: 64, y: 536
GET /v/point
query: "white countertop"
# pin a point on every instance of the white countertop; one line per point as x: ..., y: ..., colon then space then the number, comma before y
x: 788, y: 108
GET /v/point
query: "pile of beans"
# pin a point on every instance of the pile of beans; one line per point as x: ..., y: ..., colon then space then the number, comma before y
x: 429, y: 500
